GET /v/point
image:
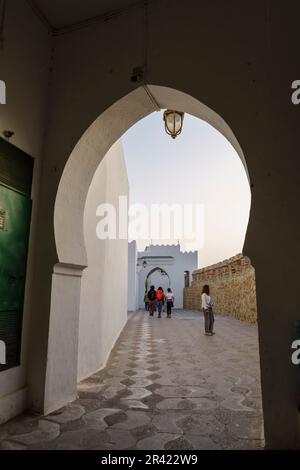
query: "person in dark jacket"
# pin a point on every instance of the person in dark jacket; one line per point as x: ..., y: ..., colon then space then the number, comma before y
x: 152, y: 300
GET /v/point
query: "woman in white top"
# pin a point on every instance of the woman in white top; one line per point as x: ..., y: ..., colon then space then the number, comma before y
x: 207, y: 310
x: 170, y: 302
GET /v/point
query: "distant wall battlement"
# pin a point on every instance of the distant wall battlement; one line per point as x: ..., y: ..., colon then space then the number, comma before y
x: 232, y: 286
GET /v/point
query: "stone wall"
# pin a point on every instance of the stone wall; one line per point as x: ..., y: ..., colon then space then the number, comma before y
x: 232, y: 287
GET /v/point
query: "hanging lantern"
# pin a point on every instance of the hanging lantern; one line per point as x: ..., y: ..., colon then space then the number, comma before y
x: 173, y: 122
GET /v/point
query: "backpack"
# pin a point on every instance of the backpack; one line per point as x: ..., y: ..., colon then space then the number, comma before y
x: 152, y: 295
x: 159, y: 295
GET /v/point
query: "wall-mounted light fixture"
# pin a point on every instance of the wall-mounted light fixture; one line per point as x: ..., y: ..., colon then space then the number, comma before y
x: 144, y: 264
x: 173, y: 122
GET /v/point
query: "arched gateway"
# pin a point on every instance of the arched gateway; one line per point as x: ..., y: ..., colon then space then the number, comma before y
x: 70, y: 202
x: 58, y: 377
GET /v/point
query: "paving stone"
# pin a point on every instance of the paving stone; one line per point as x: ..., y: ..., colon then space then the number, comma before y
x: 89, y: 404
x: 167, y: 422
x: 10, y: 445
x: 156, y: 442
x: 134, y: 419
x: 145, y: 373
x: 87, y: 387
x: 247, y: 444
x: 203, y: 403
x: 166, y: 380
x: 201, y: 424
x: 67, y: 414
x: 175, y: 404
x: 201, y: 442
x: 235, y: 403
x: 20, y: 425
x: 245, y: 427
x: 141, y: 382
x: 187, y: 404
x: 96, y: 419
x: 183, y: 392
x: 112, y: 392
x: 153, y: 376
x: 114, y: 380
x: 80, y: 439
x: 46, y: 431
x: 135, y: 404
x: 180, y: 443
x: 137, y: 393
x: 119, y: 440
x: 165, y: 386
x: 130, y: 372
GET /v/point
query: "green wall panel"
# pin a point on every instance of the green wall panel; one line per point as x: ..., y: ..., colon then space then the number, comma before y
x: 15, y: 209
x: 15, y: 213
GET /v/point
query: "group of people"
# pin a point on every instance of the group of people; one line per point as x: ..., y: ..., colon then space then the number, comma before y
x: 158, y: 300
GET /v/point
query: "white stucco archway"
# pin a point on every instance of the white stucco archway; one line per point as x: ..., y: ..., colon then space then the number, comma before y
x: 234, y: 72
x: 95, y: 143
x: 156, y: 270
x: 97, y: 140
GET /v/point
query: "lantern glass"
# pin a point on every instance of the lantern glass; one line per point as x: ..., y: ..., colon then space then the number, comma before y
x: 173, y: 122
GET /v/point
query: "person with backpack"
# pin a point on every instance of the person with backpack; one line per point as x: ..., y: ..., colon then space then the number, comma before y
x: 152, y: 300
x: 147, y: 301
x: 170, y: 302
x: 160, y: 297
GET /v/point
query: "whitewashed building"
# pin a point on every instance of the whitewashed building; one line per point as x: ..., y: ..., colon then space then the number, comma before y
x: 159, y: 265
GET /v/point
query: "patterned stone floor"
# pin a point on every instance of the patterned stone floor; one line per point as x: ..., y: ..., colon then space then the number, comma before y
x: 166, y: 386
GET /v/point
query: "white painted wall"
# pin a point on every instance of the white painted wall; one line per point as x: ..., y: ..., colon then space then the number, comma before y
x: 24, y: 66
x: 132, y: 277
x: 63, y: 342
x: 187, y: 261
x: 103, y: 303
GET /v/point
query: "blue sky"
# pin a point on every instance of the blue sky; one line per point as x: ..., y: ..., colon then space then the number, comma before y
x: 199, y: 167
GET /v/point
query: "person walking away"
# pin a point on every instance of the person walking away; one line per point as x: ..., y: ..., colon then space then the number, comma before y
x: 160, y: 297
x: 146, y: 300
x: 170, y: 302
x: 207, y: 305
x: 152, y: 301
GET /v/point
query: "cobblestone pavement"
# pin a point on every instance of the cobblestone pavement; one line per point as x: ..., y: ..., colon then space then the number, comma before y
x: 166, y: 386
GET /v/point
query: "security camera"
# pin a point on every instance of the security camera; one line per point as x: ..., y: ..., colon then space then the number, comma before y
x: 8, y: 134
x: 134, y: 78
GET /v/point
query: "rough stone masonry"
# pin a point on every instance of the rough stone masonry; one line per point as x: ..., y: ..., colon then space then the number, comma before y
x: 232, y: 285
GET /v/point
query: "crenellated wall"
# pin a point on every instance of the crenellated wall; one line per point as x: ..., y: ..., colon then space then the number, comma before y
x: 232, y: 287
